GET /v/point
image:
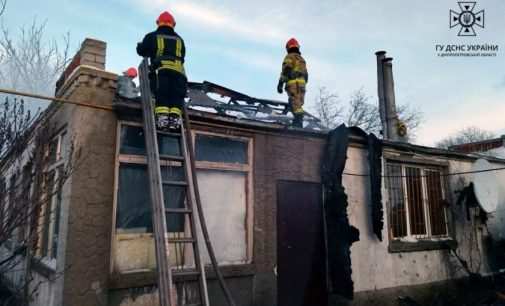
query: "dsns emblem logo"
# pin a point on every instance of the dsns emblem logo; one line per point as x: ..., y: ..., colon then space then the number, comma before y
x: 466, y: 18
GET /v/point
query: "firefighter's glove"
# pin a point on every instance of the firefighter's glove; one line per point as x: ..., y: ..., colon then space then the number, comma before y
x: 279, y: 86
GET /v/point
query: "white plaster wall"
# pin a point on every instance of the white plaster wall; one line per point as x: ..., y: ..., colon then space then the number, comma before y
x: 15, y: 274
x: 373, y: 267
x: 498, y: 152
x: 42, y: 291
x: 496, y: 222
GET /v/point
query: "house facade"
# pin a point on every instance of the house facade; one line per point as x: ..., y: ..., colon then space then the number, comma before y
x: 261, y: 191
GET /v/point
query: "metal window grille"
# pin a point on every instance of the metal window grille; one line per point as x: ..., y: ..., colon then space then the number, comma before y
x: 416, y: 200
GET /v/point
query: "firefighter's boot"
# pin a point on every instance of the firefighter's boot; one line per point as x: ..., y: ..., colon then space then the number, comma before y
x: 175, y: 118
x: 161, y: 117
x: 162, y: 121
x: 298, y: 121
x: 174, y: 122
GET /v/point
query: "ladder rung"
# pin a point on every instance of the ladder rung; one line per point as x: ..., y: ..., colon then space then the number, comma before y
x: 186, y: 273
x: 178, y: 211
x: 172, y: 157
x: 181, y: 240
x: 171, y: 134
x: 175, y: 183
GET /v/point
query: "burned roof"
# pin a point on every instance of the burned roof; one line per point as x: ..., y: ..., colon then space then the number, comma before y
x: 211, y: 97
x: 212, y: 102
x: 479, y: 146
x: 207, y: 98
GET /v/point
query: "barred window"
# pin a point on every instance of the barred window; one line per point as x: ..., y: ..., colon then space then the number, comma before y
x: 416, y: 201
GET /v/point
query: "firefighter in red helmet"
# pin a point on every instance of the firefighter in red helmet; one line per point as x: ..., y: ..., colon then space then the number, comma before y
x: 166, y: 51
x: 294, y: 77
x: 126, y: 87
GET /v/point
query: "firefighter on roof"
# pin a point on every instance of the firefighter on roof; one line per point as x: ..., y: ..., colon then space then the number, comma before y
x: 294, y: 76
x: 166, y: 51
x: 125, y: 85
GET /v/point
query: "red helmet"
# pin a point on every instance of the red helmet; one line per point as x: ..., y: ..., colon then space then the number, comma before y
x: 166, y: 19
x: 292, y: 43
x: 131, y: 72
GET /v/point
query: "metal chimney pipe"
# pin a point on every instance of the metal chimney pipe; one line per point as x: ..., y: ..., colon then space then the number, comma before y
x: 380, y: 91
x: 389, y: 94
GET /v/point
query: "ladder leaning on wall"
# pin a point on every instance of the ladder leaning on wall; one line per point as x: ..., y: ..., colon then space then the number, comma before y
x: 187, y: 266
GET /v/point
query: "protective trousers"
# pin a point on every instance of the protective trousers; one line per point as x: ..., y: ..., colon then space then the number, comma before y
x: 296, y: 95
x: 169, y: 91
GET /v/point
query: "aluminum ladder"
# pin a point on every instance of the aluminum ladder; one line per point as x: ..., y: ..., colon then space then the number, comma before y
x: 187, y: 263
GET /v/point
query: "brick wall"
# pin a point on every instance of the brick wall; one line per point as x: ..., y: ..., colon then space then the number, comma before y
x: 88, y: 250
x: 281, y: 157
x: 87, y: 230
x: 91, y: 53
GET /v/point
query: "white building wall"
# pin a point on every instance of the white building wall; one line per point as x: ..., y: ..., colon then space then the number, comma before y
x: 373, y: 266
x: 43, y: 291
x: 498, y: 152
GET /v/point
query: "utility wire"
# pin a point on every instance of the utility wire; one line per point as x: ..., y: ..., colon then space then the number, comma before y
x: 109, y: 108
x: 60, y: 100
x: 442, y: 174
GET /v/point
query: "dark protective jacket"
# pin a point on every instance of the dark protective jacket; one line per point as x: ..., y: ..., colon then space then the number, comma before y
x: 294, y: 69
x: 165, y: 48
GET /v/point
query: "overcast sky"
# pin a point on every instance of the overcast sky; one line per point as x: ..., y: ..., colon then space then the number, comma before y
x: 240, y: 44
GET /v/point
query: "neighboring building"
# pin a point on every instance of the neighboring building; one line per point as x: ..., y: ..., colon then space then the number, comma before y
x: 492, y: 147
x: 261, y: 191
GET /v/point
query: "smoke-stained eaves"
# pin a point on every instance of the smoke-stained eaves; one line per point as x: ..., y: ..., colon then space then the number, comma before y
x: 340, y: 234
x: 375, y: 165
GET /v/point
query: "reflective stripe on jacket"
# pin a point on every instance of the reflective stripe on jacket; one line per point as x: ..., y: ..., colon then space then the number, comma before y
x: 294, y: 69
x: 169, y: 53
x: 165, y: 48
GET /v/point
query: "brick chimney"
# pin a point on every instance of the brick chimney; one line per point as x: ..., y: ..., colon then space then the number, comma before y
x: 91, y: 53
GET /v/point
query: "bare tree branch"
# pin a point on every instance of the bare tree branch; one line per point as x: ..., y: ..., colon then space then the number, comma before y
x: 360, y: 112
x: 328, y: 108
x: 30, y: 61
x: 363, y: 114
x: 3, y: 5
x: 30, y: 201
x: 14, y: 120
x: 465, y: 135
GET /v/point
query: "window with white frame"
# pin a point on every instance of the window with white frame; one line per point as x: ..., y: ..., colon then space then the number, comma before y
x: 416, y: 201
x: 48, y: 208
x: 223, y: 171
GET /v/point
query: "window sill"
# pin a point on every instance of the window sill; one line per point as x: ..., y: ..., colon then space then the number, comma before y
x: 148, y: 278
x: 396, y: 246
